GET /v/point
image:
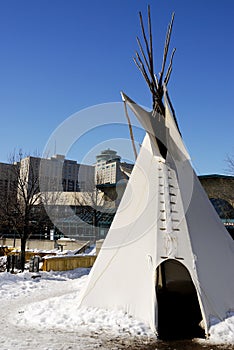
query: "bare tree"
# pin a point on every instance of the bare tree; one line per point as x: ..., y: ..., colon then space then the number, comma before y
x: 19, y: 209
x: 94, y: 205
x: 57, y: 207
x: 230, y: 165
x: 230, y: 170
x: 87, y: 205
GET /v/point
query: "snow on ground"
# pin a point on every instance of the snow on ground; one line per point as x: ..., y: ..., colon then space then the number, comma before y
x: 42, y: 312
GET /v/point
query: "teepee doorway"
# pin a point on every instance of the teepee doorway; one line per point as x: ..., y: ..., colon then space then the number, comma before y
x: 179, y: 312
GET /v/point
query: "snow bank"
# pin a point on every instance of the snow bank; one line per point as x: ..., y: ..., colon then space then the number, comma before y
x: 222, y: 332
x: 50, y: 302
x: 62, y: 312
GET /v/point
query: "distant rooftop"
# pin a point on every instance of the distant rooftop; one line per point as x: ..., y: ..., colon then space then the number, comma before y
x: 107, y: 155
x: 216, y: 176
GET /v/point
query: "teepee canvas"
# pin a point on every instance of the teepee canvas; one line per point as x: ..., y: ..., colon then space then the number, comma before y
x: 167, y: 259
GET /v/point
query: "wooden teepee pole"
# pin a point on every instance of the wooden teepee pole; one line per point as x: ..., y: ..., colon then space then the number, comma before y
x: 145, y: 63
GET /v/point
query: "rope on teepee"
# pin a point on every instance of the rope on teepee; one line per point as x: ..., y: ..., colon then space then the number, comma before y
x: 130, y: 130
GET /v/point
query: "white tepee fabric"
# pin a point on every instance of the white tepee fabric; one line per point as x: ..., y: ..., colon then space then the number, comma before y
x: 165, y: 236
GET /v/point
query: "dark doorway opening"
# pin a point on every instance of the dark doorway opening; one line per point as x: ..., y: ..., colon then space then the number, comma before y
x: 179, y: 312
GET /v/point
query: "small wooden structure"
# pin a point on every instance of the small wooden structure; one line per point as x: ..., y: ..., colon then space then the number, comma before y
x: 64, y: 263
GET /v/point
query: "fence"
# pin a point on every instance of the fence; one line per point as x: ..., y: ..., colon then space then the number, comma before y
x: 68, y: 262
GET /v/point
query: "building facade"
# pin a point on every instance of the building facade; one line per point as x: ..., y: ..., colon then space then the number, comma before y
x: 7, y: 179
x: 219, y: 187
x: 57, y: 174
x: 86, y: 190
x: 39, y: 186
x: 220, y: 190
x: 109, y: 169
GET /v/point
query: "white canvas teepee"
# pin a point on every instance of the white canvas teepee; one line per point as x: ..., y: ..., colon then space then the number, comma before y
x: 167, y: 259
x: 167, y: 256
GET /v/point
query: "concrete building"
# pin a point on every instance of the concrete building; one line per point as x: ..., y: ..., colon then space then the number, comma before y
x: 57, y: 174
x: 55, y: 182
x: 111, y: 175
x: 109, y: 169
x: 69, y: 189
x: 8, y: 178
x: 29, y: 168
x: 220, y: 190
x: 219, y: 187
x: 8, y: 193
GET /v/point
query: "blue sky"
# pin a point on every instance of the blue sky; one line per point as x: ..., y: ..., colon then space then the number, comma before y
x: 58, y: 57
